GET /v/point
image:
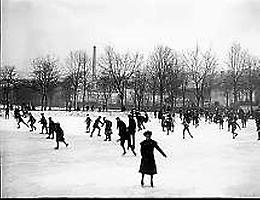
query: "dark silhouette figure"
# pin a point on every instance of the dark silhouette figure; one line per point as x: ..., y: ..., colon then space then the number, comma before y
x: 59, y: 135
x: 186, y: 128
x: 32, y: 121
x: 88, y: 122
x: 43, y: 121
x: 96, y: 126
x: 20, y: 119
x: 7, y: 112
x: 132, y: 130
x: 108, y: 129
x: 148, y: 165
x: 123, y: 134
x: 51, y: 129
x: 234, y: 126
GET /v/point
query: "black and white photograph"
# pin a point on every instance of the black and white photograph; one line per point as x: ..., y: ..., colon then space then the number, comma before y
x: 130, y: 99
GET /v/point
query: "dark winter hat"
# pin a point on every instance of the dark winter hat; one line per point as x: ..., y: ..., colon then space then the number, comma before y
x: 49, y: 117
x: 42, y: 113
x: 117, y: 118
x: 147, y: 133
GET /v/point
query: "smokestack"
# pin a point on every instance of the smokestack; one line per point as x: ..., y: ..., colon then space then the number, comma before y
x: 94, y: 62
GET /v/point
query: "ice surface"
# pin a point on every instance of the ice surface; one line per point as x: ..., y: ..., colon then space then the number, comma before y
x: 211, y: 164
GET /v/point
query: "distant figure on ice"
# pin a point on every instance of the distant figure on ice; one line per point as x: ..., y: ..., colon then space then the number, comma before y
x: 234, y: 126
x: 186, y: 128
x: 43, y: 121
x: 132, y: 130
x: 221, y: 121
x: 148, y: 165
x: 124, y: 135
x: 51, y: 129
x: 167, y: 123
x: 141, y: 120
x: 20, y: 119
x: 88, y: 121
x: 96, y: 126
x: 258, y: 128
x: 16, y: 113
x: 32, y: 121
x: 59, y: 135
x: 7, y: 112
x: 155, y: 113
x: 108, y: 129
x: 244, y: 117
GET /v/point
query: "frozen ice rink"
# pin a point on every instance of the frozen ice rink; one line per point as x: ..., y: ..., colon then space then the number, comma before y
x: 211, y: 164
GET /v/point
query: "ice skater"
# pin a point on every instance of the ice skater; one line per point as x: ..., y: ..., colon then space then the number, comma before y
x: 234, y: 126
x: 59, y: 135
x: 124, y: 135
x: 243, y: 119
x: 148, y: 165
x: 20, y: 119
x: 32, y: 121
x: 168, y: 124
x: 221, y: 121
x: 43, y: 121
x: 96, y: 126
x: 51, y: 129
x: 88, y: 122
x: 7, y: 112
x: 108, y: 129
x: 132, y: 130
x: 186, y: 128
x: 258, y: 128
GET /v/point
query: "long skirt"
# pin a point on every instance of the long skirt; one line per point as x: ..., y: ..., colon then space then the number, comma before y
x: 148, y: 166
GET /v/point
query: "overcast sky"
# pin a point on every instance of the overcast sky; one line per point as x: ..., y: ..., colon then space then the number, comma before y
x: 32, y: 28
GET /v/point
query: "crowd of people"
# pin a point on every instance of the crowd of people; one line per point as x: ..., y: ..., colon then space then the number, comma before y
x: 47, y: 127
x: 190, y: 116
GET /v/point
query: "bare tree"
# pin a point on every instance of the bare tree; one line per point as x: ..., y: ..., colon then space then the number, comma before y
x: 120, y: 68
x: 74, y: 67
x: 174, y: 79
x: 252, y: 77
x: 139, y: 84
x: 200, y: 67
x: 237, y: 59
x: 8, y: 78
x: 158, y: 63
x: 46, y: 74
x: 67, y: 91
x: 105, y: 87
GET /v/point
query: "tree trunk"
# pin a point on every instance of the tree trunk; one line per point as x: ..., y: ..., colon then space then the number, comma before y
x: 45, y: 103
x: 227, y: 99
x: 42, y: 102
x: 122, y: 102
x: 83, y: 98
x: 183, y: 95
x: 251, y: 99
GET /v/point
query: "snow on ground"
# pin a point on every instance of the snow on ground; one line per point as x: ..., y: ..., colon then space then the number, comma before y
x: 211, y: 164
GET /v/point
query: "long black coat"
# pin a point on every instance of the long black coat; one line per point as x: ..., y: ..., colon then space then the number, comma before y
x: 123, y: 133
x: 148, y: 165
x: 59, y: 134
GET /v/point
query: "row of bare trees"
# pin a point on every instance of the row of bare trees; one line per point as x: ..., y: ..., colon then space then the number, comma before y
x: 166, y: 76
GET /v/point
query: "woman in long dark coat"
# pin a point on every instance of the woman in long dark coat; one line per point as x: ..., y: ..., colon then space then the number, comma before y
x: 59, y: 135
x: 148, y: 165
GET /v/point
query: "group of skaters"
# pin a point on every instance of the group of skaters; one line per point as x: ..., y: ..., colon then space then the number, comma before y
x: 47, y: 127
x: 126, y: 133
x: 136, y: 122
x: 218, y: 116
